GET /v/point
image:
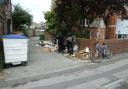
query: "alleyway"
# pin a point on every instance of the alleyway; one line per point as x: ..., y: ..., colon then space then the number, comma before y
x: 55, y: 71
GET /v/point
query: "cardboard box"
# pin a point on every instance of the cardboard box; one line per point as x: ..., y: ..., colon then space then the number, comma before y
x: 81, y: 51
x: 46, y: 49
x: 82, y: 56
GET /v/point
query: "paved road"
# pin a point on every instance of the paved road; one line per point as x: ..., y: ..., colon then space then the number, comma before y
x: 55, y: 71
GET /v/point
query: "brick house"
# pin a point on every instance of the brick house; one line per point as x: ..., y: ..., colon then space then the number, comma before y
x: 116, y: 28
x: 122, y: 29
x: 5, y: 17
x: 107, y: 34
x: 97, y: 29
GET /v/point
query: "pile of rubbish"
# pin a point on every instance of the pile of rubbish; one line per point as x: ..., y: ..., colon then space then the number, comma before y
x: 48, y: 46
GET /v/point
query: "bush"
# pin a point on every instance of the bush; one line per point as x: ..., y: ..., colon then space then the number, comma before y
x: 82, y: 34
x: 24, y: 30
x: 41, y: 37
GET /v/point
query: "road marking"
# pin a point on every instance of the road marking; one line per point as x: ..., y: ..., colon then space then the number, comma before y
x: 72, y: 77
x: 112, y: 85
x: 95, y: 84
x: 55, y: 80
x: 113, y: 66
x: 122, y: 74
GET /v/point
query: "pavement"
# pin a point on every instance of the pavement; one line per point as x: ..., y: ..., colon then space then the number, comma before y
x: 40, y: 62
x: 47, y: 70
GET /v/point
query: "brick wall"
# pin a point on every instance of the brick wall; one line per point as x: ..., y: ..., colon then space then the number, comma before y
x: 116, y: 45
x: 82, y: 43
x: 93, y: 33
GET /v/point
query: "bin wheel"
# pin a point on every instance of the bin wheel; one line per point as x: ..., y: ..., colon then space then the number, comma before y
x: 24, y: 63
x: 8, y: 65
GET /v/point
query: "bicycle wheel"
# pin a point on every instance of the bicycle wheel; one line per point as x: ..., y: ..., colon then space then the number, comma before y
x: 96, y: 57
x: 108, y: 53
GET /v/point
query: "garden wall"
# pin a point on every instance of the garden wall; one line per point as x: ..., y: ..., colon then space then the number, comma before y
x: 82, y: 43
x: 116, y: 45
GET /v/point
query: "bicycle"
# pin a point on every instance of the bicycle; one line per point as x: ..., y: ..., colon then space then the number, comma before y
x: 101, y: 53
x: 97, y: 56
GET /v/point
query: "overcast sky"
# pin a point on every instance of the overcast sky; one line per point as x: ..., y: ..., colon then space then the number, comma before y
x: 36, y: 7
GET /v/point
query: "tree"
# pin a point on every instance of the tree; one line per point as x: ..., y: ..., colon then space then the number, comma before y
x: 21, y: 18
x: 50, y: 17
x: 74, y: 11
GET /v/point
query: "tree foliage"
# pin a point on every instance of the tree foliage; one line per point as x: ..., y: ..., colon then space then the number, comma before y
x: 50, y: 17
x: 74, y: 12
x: 21, y: 17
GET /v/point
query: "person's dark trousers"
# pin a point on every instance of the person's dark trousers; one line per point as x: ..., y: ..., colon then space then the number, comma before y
x: 70, y: 47
x: 64, y: 47
x: 60, y: 49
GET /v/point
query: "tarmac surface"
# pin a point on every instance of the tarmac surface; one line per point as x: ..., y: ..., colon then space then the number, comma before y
x: 46, y: 70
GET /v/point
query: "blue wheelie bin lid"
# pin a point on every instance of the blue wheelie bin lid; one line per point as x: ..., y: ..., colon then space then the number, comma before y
x: 14, y: 36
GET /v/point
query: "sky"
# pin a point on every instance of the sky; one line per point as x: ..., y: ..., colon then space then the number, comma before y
x: 36, y: 8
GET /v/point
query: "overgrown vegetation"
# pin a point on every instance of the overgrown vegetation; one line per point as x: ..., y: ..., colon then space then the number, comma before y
x: 21, y: 19
x: 24, y: 30
x: 51, y: 23
x: 82, y: 34
x: 74, y: 12
x: 69, y: 13
x: 41, y: 37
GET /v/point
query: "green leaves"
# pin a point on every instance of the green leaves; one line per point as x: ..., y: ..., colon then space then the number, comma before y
x: 50, y: 17
x: 20, y: 17
x: 73, y: 10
